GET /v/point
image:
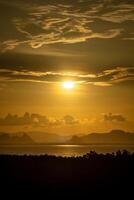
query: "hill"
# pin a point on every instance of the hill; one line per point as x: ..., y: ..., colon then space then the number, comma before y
x: 112, y: 137
x: 6, y: 138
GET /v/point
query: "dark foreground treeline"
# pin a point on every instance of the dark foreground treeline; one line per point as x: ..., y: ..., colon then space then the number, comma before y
x: 92, y: 173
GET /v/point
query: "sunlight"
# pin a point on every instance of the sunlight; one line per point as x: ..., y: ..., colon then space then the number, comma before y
x: 68, y: 84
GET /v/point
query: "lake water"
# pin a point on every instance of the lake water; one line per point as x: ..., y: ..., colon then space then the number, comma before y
x: 61, y: 150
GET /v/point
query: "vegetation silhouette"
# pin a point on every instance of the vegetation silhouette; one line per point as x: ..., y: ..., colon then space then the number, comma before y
x: 85, y: 174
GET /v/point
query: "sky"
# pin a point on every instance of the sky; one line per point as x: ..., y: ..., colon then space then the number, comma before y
x: 45, y: 43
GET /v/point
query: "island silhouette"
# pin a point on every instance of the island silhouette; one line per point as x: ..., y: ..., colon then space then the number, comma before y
x: 112, y: 137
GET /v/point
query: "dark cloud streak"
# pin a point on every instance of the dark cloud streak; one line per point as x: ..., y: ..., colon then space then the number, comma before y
x: 44, y: 23
x: 114, y: 117
x: 105, y: 78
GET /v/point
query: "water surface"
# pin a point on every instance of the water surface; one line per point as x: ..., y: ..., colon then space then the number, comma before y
x: 61, y: 150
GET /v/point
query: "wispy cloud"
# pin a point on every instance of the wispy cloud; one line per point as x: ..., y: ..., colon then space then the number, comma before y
x: 119, y: 13
x: 67, y: 23
x: 105, y: 78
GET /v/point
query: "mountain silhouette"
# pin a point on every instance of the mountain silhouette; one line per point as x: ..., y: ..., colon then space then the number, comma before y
x: 112, y: 137
x: 6, y: 138
x: 45, y: 137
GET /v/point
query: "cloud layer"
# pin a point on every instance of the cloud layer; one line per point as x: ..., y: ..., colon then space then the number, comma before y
x: 105, y: 78
x: 66, y: 22
x: 38, y: 120
x: 35, y: 119
x: 63, y: 31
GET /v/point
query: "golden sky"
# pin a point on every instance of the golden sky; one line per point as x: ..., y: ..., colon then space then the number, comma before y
x: 44, y: 44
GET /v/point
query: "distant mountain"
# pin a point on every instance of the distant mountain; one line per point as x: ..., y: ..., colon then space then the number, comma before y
x: 44, y: 137
x: 6, y: 138
x: 112, y: 137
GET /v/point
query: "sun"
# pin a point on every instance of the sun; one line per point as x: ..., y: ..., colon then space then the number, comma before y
x: 68, y: 84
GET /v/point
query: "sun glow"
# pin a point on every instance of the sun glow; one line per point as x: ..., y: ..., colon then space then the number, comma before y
x: 68, y: 84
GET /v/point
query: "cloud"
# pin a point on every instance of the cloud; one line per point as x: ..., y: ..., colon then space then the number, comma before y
x: 41, y: 23
x: 107, y: 77
x: 74, y: 37
x: 9, y: 45
x: 119, y: 13
x: 35, y: 119
x: 114, y: 117
x: 26, y: 119
x: 129, y: 38
x: 70, y: 120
